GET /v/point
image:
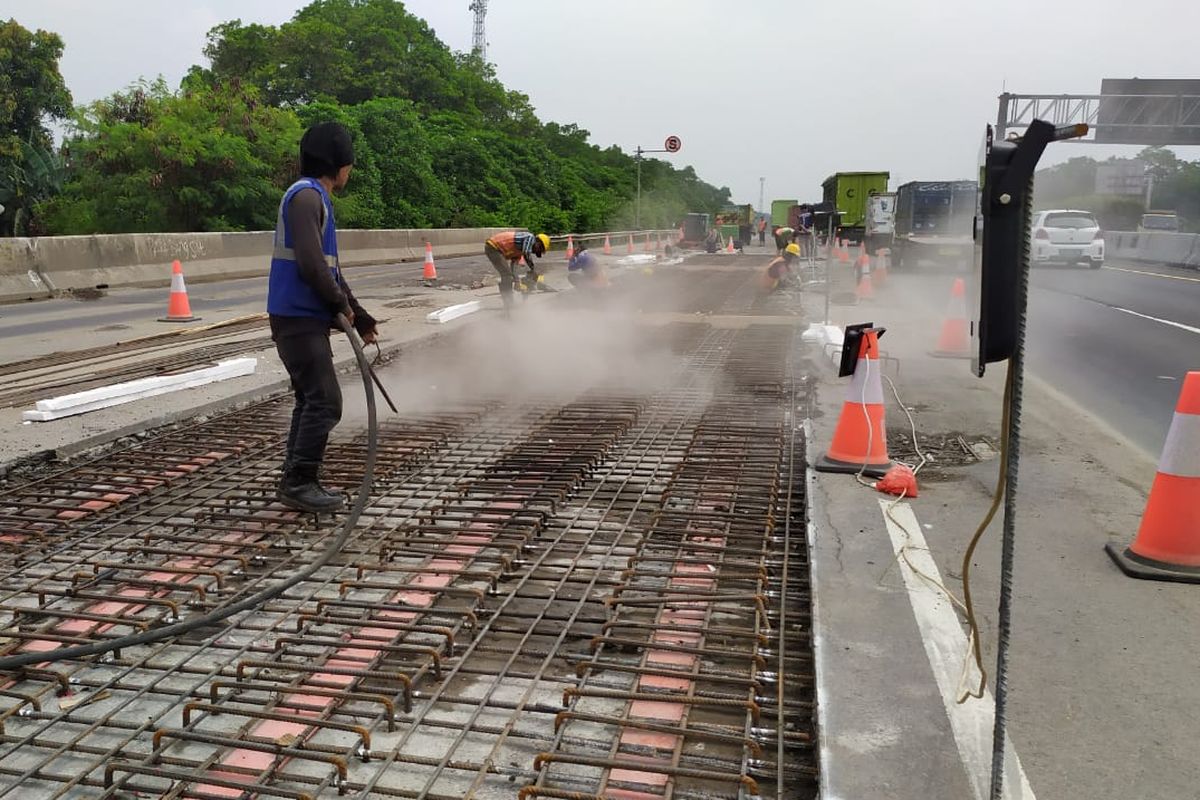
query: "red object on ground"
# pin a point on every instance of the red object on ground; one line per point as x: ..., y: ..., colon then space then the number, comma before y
x: 899, y: 480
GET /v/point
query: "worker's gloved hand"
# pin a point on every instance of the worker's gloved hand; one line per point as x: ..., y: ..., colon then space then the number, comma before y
x: 365, y: 324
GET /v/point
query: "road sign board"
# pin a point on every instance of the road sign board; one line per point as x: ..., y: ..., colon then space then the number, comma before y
x: 673, y: 144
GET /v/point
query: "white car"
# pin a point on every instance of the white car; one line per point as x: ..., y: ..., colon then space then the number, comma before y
x: 1067, y: 237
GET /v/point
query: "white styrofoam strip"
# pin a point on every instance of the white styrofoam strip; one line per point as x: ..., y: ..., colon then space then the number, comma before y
x: 111, y: 392
x: 117, y: 394
x: 453, y: 312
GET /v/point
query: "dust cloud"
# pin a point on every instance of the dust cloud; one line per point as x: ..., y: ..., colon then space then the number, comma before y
x: 546, y: 351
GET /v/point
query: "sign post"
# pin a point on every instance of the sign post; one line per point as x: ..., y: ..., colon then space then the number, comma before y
x: 671, y: 145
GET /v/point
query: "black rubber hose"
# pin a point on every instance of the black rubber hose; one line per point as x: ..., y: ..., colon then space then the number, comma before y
x: 20, y: 660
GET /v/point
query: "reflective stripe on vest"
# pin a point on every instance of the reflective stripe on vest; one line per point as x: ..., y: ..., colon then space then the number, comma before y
x: 288, y: 254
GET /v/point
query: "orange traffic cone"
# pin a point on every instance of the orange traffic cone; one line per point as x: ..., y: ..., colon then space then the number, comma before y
x: 178, y: 307
x: 879, y: 271
x: 429, y: 272
x: 860, y: 437
x: 953, y: 341
x: 865, y: 289
x: 864, y: 258
x: 729, y: 245
x: 570, y: 247
x: 843, y: 252
x: 630, y: 244
x: 1167, y: 545
x: 607, y: 245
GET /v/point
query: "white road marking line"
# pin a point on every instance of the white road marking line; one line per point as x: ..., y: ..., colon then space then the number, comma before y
x: 1153, y: 274
x: 1171, y: 322
x: 945, y: 645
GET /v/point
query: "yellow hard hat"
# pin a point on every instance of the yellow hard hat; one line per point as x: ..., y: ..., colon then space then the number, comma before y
x: 793, y: 248
x: 545, y: 240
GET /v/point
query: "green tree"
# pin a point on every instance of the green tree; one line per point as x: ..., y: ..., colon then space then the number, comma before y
x: 148, y: 159
x: 439, y: 141
x: 32, y: 91
x: 348, y: 51
x: 35, y: 177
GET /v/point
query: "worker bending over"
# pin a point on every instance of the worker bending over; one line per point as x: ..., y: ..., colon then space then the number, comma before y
x: 783, y: 236
x: 306, y: 292
x: 584, y: 270
x: 779, y: 272
x: 506, y: 250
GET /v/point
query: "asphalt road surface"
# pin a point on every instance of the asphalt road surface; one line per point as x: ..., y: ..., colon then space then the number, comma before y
x: 222, y: 299
x: 1118, y: 340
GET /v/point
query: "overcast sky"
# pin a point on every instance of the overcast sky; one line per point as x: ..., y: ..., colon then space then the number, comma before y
x: 783, y: 89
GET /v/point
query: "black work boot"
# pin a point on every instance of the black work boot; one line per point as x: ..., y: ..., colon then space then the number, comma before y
x: 299, y: 490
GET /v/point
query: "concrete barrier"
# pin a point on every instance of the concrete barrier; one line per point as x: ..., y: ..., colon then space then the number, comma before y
x: 37, y: 268
x: 1158, y: 247
x: 19, y: 275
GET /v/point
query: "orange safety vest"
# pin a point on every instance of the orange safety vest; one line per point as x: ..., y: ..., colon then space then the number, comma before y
x: 508, y: 245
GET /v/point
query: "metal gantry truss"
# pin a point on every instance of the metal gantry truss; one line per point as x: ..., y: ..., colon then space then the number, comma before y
x: 1113, y: 118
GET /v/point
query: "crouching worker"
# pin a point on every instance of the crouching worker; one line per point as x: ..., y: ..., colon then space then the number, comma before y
x: 505, y: 250
x: 584, y: 270
x: 306, y: 292
x: 779, y: 272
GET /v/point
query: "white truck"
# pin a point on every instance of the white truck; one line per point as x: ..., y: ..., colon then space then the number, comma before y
x: 881, y: 220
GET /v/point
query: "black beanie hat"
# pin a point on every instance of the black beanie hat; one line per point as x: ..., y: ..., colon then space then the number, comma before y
x: 329, y: 143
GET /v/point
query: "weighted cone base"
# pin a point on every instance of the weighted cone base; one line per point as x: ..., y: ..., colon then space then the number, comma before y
x: 827, y: 464
x: 1149, y: 569
x: 179, y: 319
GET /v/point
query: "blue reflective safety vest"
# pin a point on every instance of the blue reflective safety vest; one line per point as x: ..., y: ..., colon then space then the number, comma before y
x: 288, y: 295
x: 583, y: 261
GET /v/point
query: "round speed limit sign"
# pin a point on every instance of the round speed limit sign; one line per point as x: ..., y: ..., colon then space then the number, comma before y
x: 673, y: 144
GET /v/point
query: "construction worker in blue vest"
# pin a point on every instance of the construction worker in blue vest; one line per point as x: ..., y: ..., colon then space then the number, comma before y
x: 584, y: 271
x: 306, y: 292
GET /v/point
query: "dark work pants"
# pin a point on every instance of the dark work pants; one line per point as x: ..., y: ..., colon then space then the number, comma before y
x: 505, y: 269
x: 308, y: 358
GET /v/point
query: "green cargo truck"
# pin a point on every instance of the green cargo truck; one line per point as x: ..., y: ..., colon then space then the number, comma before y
x: 779, y: 212
x: 849, y: 192
x: 731, y: 219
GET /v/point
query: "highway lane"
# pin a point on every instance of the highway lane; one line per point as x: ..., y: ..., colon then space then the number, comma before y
x: 214, y: 300
x: 1118, y: 341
